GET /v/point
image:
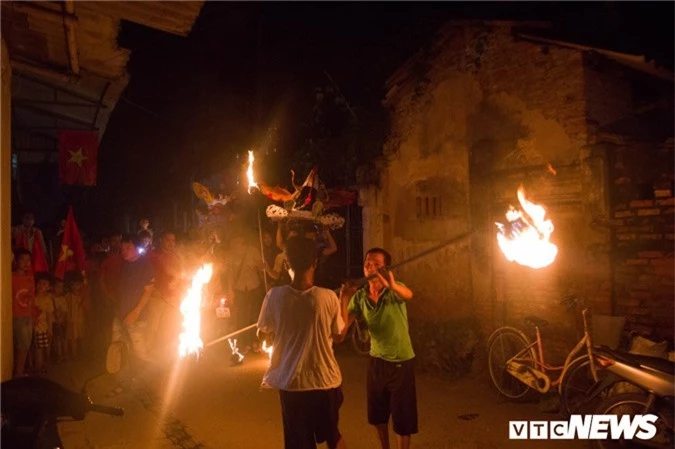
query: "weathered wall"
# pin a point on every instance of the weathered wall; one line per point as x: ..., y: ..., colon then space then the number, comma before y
x: 475, y: 117
x: 6, y: 349
x: 608, y: 92
x: 643, y: 206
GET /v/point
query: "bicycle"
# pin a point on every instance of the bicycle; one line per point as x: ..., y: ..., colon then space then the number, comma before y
x: 518, y: 366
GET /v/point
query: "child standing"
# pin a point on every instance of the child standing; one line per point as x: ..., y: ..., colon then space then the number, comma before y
x: 61, y: 314
x: 44, y: 321
x: 76, y: 298
x: 23, y: 302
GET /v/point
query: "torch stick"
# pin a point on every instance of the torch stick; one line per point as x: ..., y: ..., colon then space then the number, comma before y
x: 262, y: 252
x: 384, y: 270
x: 231, y: 334
x: 253, y: 184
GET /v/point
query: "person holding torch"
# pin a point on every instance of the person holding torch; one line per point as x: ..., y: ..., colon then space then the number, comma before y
x: 390, y: 383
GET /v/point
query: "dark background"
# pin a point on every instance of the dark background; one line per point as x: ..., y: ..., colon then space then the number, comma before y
x: 301, y: 83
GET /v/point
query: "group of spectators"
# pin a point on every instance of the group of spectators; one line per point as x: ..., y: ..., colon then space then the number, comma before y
x: 128, y: 299
x: 132, y: 287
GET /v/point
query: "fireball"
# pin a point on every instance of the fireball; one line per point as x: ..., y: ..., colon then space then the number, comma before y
x: 525, y: 238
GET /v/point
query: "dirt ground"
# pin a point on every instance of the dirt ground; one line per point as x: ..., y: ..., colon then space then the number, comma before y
x: 211, y: 404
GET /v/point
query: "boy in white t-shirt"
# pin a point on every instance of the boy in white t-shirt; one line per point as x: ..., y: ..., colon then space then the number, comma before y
x: 301, y: 321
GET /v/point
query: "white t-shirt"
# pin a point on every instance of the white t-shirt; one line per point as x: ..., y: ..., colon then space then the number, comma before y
x: 303, y: 324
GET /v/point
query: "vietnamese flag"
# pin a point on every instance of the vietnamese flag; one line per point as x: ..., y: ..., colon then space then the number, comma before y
x: 78, y: 156
x: 71, y: 254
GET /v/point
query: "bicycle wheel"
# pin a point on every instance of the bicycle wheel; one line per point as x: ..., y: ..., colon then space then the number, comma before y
x: 631, y: 404
x: 504, y: 344
x: 575, y: 383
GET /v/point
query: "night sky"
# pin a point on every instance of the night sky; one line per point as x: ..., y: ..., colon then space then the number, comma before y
x: 249, y: 75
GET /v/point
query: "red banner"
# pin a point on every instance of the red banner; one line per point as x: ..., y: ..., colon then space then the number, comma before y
x: 71, y: 253
x: 78, y: 156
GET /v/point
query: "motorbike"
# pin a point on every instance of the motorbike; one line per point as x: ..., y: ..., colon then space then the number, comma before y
x: 31, y: 408
x: 651, y: 391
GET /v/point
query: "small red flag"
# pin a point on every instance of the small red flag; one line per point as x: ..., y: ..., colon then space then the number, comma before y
x: 39, y: 256
x: 71, y: 254
x: 78, y: 156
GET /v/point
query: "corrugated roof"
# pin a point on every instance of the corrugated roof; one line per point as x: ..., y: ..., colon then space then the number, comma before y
x: 75, y: 85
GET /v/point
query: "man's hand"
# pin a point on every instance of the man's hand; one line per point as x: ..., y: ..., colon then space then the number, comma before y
x: 387, y: 282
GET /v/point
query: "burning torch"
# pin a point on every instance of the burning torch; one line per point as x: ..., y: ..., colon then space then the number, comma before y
x: 252, y: 184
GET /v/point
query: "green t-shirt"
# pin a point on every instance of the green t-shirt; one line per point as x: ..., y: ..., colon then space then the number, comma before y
x: 387, y: 322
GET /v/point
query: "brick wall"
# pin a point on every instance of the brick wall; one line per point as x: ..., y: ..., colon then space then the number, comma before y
x: 542, y: 90
x: 481, y: 113
x: 643, y: 212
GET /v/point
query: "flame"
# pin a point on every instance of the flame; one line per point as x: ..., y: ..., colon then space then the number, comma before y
x: 249, y: 173
x: 267, y: 349
x: 235, y: 351
x: 190, y: 341
x: 525, y: 238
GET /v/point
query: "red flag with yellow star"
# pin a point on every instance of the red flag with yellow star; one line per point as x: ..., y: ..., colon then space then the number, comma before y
x: 78, y: 155
x: 71, y: 254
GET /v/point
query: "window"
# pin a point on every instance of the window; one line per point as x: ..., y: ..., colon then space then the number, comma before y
x: 428, y: 207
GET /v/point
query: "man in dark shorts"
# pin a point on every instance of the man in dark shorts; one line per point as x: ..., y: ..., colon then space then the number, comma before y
x: 301, y: 320
x: 391, y: 377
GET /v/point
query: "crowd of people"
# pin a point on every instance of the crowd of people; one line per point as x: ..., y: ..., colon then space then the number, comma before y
x: 127, y: 300
x: 132, y: 287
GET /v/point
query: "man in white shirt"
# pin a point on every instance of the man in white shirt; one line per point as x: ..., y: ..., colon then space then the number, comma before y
x: 301, y: 321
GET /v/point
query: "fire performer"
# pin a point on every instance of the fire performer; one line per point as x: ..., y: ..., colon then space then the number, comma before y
x: 390, y: 383
x: 302, y: 320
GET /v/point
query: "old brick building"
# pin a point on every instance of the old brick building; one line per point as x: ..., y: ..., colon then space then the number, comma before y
x: 490, y: 106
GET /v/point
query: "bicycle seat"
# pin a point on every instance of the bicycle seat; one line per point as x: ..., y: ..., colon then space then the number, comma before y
x: 533, y: 321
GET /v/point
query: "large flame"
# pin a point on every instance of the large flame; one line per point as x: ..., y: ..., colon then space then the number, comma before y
x: 525, y: 239
x: 249, y: 172
x: 190, y: 341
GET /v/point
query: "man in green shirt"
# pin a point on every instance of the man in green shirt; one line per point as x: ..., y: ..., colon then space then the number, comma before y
x: 391, y: 376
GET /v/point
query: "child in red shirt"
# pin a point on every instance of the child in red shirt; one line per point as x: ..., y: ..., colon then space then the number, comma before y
x: 23, y: 309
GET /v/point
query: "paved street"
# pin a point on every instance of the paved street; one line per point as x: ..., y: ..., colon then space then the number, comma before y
x: 211, y: 404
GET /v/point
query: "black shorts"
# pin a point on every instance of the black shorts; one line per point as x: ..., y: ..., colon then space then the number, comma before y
x: 391, y: 391
x: 310, y: 417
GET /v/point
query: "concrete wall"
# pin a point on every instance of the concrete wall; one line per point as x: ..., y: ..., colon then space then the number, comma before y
x: 473, y: 118
x: 6, y: 349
